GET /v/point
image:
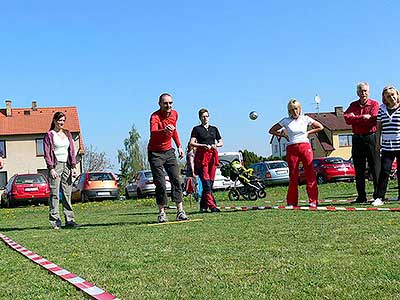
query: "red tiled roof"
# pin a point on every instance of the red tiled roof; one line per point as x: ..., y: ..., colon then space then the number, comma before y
x: 330, y: 120
x: 29, y: 121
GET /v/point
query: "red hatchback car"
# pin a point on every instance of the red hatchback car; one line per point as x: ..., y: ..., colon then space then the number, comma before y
x: 25, y: 188
x: 329, y: 169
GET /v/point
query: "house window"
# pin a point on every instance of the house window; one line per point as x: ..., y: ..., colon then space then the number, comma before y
x: 345, y: 140
x: 3, y: 179
x: 3, y: 152
x: 39, y: 147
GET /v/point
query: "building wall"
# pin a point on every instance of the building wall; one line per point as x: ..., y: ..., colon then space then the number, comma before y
x: 344, y: 152
x: 21, y: 154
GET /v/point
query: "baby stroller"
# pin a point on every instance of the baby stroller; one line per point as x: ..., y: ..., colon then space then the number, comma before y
x: 252, y: 188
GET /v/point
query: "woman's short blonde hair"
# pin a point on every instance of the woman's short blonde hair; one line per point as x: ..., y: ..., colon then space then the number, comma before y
x: 387, y: 89
x: 292, y: 104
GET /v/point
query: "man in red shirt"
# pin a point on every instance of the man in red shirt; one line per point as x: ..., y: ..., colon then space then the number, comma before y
x: 361, y: 115
x: 161, y: 156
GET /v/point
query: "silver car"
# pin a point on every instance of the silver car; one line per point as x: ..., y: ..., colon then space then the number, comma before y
x: 142, y: 185
x: 272, y: 172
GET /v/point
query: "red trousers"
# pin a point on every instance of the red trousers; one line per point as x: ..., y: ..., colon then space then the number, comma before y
x: 294, y: 154
x: 205, y: 163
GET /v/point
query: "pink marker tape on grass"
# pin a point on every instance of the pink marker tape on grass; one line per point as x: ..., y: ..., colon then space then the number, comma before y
x: 93, y: 291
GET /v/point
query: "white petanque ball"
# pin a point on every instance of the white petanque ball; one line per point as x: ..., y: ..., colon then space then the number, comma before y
x: 253, y: 115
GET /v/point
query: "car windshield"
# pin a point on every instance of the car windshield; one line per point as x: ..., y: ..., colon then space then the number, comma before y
x: 277, y: 165
x: 100, y: 176
x: 334, y: 160
x: 27, y: 179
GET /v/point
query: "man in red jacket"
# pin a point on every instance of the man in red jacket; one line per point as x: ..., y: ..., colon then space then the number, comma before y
x: 361, y: 115
x: 161, y: 156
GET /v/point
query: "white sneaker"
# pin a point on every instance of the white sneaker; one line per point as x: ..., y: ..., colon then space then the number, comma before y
x: 378, y: 202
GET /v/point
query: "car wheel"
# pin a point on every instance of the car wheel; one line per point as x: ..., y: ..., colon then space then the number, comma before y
x: 84, y: 197
x: 261, y: 193
x: 320, y: 179
x: 233, y: 195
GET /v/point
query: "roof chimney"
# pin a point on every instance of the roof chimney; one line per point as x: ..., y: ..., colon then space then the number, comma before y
x: 8, y: 108
x: 339, y: 111
x: 34, y: 105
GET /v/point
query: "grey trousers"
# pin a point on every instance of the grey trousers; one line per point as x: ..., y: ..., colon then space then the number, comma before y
x: 63, y: 181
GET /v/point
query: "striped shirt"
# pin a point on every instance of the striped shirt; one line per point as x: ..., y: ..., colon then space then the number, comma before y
x: 390, y: 134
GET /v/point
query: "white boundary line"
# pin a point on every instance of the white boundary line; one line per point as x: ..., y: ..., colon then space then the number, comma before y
x: 93, y: 291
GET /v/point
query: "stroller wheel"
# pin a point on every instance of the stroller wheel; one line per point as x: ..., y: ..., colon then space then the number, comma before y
x: 252, y: 194
x: 261, y: 193
x: 233, y: 195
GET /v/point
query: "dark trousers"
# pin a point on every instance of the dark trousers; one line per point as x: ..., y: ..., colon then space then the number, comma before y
x: 363, y: 150
x: 207, y: 199
x: 160, y: 160
x: 386, y: 168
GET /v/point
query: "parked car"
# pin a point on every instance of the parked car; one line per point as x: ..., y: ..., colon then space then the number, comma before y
x: 25, y: 188
x: 272, y: 172
x: 368, y: 174
x: 330, y: 169
x: 95, y: 185
x: 143, y: 185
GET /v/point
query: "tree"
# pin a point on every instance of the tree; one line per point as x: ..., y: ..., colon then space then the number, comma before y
x: 251, y: 158
x: 95, y: 161
x: 132, y: 157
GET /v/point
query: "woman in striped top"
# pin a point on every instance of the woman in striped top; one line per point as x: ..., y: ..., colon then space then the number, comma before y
x: 388, y: 139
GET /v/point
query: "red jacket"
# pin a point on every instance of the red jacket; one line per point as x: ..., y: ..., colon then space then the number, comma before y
x: 160, y: 140
x: 358, y: 123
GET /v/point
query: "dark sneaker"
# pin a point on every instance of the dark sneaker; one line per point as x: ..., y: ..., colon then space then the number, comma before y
x: 203, y: 210
x: 181, y: 216
x: 56, y: 227
x: 359, y: 200
x: 162, y: 217
x: 215, y: 209
x: 72, y: 224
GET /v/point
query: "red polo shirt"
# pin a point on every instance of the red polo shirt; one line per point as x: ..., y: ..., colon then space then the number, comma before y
x: 160, y: 140
x: 358, y: 123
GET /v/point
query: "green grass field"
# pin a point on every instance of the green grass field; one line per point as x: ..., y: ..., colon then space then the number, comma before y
x: 269, y: 254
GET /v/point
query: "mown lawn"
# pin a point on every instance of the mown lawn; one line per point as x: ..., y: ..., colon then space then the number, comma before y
x: 269, y: 254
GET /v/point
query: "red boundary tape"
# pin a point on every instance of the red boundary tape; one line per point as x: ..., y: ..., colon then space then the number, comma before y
x: 320, y: 208
x: 93, y: 291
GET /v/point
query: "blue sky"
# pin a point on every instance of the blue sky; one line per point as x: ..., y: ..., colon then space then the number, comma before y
x: 112, y: 59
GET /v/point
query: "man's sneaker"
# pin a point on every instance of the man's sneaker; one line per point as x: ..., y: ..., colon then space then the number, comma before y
x: 181, y: 216
x: 162, y: 217
x: 56, y: 227
x: 313, y: 205
x: 72, y: 224
x: 377, y: 202
x: 203, y: 210
x: 215, y: 210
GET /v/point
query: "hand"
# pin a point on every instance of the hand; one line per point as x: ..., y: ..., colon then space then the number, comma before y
x: 53, y: 174
x: 169, y: 128
x: 208, y: 147
x: 180, y: 151
x: 366, y: 116
x: 351, y: 114
x: 214, y: 146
